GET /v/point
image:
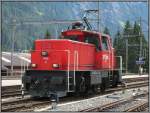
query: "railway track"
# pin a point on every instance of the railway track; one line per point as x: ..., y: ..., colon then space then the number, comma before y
x: 128, y: 80
x: 137, y: 108
x: 29, y: 104
x: 10, y: 88
x: 15, y: 91
x: 114, y: 106
x: 129, y: 86
x: 22, y: 105
x: 11, y: 91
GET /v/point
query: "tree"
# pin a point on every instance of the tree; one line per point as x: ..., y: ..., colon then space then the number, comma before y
x: 136, y: 28
x: 47, y: 35
x: 106, y: 31
x: 140, y: 37
x: 127, y: 28
x: 117, y: 39
x: 132, y: 33
x: 119, y: 45
x: 136, y: 31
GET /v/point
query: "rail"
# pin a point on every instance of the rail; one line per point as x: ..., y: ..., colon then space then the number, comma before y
x: 13, y: 105
x: 103, y: 108
x: 137, y: 108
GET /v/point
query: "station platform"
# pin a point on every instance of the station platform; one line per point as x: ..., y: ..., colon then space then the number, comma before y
x: 18, y: 81
x: 10, y: 82
x: 134, y: 76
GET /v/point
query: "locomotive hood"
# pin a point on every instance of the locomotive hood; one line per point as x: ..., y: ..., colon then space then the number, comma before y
x: 59, y: 54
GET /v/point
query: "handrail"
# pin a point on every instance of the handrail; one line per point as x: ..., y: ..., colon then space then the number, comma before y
x: 77, y: 61
x: 25, y: 66
x: 109, y: 62
x: 75, y: 64
x: 22, y: 72
x: 120, y: 66
x: 68, y: 68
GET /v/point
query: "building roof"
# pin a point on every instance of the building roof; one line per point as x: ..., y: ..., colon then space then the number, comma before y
x: 4, y: 68
x: 18, y: 59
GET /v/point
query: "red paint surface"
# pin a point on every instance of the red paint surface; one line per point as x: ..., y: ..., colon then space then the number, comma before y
x: 88, y: 57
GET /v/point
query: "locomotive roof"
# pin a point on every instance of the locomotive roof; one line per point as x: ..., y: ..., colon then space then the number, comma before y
x: 67, y: 40
x: 87, y: 31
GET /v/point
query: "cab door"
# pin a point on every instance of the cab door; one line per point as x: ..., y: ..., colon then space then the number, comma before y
x: 104, y: 55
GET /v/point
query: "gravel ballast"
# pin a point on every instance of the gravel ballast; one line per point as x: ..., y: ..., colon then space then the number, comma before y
x: 96, y: 101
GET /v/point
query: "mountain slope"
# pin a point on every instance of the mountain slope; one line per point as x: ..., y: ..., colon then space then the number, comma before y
x: 112, y: 14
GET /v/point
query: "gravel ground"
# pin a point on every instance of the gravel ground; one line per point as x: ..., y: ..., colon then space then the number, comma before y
x: 127, y: 105
x: 147, y: 109
x: 96, y: 101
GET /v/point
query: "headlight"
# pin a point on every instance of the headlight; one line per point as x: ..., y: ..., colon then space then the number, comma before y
x: 44, y: 53
x: 55, y: 65
x: 34, y: 65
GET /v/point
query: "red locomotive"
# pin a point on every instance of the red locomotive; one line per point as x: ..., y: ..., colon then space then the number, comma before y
x: 78, y: 62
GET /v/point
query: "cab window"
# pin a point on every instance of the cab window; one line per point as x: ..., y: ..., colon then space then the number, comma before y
x: 104, y: 43
x: 93, y: 40
x: 71, y: 37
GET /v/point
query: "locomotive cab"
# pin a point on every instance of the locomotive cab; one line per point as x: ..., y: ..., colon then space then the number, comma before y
x: 104, y: 51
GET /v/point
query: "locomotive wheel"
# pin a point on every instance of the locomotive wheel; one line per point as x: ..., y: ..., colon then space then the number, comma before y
x: 115, y: 81
x: 36, y: 98
x: 82, y: 87
x: 103, y: 87
x: 96, y: 89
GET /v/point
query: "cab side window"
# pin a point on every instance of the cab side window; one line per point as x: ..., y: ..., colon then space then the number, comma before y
x: 92, y: 40
x: 71, y: 37
x: 104, y: 43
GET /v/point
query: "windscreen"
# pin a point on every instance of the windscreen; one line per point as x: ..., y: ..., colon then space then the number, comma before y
x: 92, y: 40
x: 104, y: 43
